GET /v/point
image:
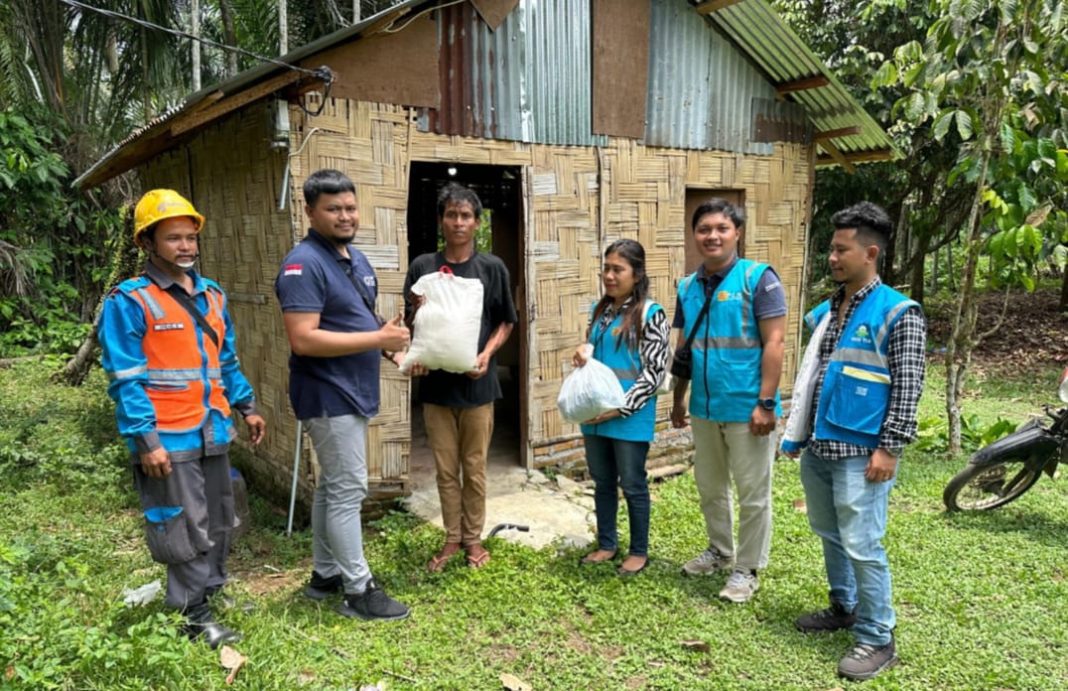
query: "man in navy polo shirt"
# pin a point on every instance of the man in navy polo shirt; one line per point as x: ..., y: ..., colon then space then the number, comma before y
x: 327, y: 290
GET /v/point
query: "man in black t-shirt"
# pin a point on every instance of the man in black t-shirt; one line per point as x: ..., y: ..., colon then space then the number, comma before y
x: 458, y: 408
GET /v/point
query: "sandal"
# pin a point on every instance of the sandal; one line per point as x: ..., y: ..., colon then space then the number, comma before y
x: 589, y: 561
x: 632, y: 572
x: 438, y: 561
x: 477, y: 559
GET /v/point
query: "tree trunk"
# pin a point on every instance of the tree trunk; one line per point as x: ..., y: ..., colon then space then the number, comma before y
x: 283, y: 27
x: 916, y: 284
x: 950, y: 282
x: 933, y: 285
x: 1063, y: 304
x: 194, y: 16
x: 229, y: 36
x: 903, y: 242
x: 962, y: 339
x: 124, y: 260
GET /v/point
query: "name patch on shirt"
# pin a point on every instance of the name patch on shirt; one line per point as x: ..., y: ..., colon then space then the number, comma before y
x: 369, y: 281
x: 293, y: 270
x: 168, y: 326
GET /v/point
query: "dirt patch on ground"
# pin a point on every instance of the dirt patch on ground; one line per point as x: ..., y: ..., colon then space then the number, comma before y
x: 1035, y: 332
x: 261, y: 582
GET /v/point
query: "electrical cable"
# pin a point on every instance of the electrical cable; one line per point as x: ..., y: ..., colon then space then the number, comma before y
x: 323, y: 73
x: 182, y: 34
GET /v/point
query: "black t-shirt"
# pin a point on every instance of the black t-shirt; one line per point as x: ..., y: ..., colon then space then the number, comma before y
x: 458, y: 390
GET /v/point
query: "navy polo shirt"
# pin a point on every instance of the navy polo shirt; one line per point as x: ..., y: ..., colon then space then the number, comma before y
x: 315, y: 277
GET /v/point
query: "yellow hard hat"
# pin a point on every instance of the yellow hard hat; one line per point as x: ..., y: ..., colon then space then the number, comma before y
x: 157, y: 205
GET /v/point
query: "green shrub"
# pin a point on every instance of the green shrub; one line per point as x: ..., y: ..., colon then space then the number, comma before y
x: 61, y: 434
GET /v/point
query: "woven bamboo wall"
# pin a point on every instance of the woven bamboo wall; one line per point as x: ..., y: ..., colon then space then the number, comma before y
x: 233, y: 177
x: 570, y: 216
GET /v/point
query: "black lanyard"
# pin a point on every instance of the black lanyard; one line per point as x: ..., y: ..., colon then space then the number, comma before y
x: 186, y: 301
x: 361, y: 288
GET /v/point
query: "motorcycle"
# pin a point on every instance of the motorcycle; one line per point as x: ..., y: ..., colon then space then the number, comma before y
x: 1003, y: 471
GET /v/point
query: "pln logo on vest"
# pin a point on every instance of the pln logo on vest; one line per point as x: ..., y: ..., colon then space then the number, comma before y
x: 861, y: 335
x: 726, y: 295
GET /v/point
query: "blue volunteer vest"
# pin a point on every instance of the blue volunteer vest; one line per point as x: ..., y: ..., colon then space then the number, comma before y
x: 855, y: 394
x: 727, y: 349
x: 627, y: 365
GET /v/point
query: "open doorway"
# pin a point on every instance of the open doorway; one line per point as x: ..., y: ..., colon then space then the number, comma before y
x: 502, y: 233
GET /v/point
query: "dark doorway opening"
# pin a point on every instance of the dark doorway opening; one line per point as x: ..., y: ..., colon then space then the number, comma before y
x: 502, y: 233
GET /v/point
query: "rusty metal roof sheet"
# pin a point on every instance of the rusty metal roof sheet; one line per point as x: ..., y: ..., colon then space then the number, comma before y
x: 529, y: 80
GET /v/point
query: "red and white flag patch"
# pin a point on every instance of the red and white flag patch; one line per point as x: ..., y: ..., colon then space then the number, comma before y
x: 292, y: 269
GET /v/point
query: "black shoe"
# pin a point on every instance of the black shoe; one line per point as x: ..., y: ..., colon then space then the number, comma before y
x: 373, y: 603
x: 200, y: 623
x: 834, y: 618
x: 865, y: 661
x: 320, y: 587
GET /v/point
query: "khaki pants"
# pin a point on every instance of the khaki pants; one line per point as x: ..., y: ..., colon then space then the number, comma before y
x: 459, y: 438
x: 724, y: 451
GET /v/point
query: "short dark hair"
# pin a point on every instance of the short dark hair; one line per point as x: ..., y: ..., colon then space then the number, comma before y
x: 715, y: 205
x: 326, y: 181
x: 871, y: 222
x: 455, y: 193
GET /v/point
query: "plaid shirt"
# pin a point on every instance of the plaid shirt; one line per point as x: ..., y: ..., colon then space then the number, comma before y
x: 906, y: 350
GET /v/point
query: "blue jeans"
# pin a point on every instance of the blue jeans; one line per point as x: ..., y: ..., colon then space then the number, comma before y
x: 617, y: 463
x: 849, y: 513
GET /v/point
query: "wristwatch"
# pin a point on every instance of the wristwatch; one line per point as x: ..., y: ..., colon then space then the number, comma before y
x: 766, y: 403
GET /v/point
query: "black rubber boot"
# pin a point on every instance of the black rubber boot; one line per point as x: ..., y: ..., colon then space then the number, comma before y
x: 200, y: 623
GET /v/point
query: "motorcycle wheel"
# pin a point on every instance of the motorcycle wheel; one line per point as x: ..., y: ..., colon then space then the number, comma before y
x: 982, y: 488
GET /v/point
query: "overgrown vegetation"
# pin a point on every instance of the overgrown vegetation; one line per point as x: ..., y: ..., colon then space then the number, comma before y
x: 982, y: 600
x: 53, y: 243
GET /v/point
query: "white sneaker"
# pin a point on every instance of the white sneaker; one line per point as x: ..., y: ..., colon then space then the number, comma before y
x: 741, y: 586
x: 709, y: 561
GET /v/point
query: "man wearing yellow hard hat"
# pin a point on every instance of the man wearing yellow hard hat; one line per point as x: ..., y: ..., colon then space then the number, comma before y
x: 169, y: 352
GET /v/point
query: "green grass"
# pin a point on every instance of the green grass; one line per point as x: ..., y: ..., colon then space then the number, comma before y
x: 982, y: 600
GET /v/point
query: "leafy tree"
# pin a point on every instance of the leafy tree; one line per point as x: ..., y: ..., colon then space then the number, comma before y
x: 983, y: 75
x: 855, y: 39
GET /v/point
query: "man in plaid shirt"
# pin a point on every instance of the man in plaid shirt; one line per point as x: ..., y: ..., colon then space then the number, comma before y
x: 865, y: 390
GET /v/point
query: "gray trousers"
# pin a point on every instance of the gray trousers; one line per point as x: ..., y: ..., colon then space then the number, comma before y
x: 337, y: 531
x: 726, y: 451
x: 203, y: 489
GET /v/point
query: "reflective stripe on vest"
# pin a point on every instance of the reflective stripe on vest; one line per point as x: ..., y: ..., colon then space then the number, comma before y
x: 855, y: 395
x: 184, y: 376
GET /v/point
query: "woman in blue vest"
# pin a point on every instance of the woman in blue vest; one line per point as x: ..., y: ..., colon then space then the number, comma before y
x: 629, y: 333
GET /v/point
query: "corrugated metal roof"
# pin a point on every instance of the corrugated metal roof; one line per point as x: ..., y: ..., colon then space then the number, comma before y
x: 511, y: 83
x: 531, y: 80
x: 784, y: 57
x: 701, y: 88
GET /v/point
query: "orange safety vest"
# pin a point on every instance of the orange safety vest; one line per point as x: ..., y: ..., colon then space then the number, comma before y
x: 184, y: 376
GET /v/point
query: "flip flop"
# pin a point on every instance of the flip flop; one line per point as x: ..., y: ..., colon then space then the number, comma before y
x: 479, y: 560
x: 438, y: 561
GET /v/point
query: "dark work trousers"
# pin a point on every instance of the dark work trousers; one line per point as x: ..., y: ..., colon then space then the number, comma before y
x: 203, y: 489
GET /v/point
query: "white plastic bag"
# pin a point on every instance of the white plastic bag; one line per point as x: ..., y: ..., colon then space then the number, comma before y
x: 447, y: 324
x: 589, y: 391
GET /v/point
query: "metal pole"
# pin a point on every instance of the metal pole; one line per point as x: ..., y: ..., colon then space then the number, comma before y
x: 296, y: 471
